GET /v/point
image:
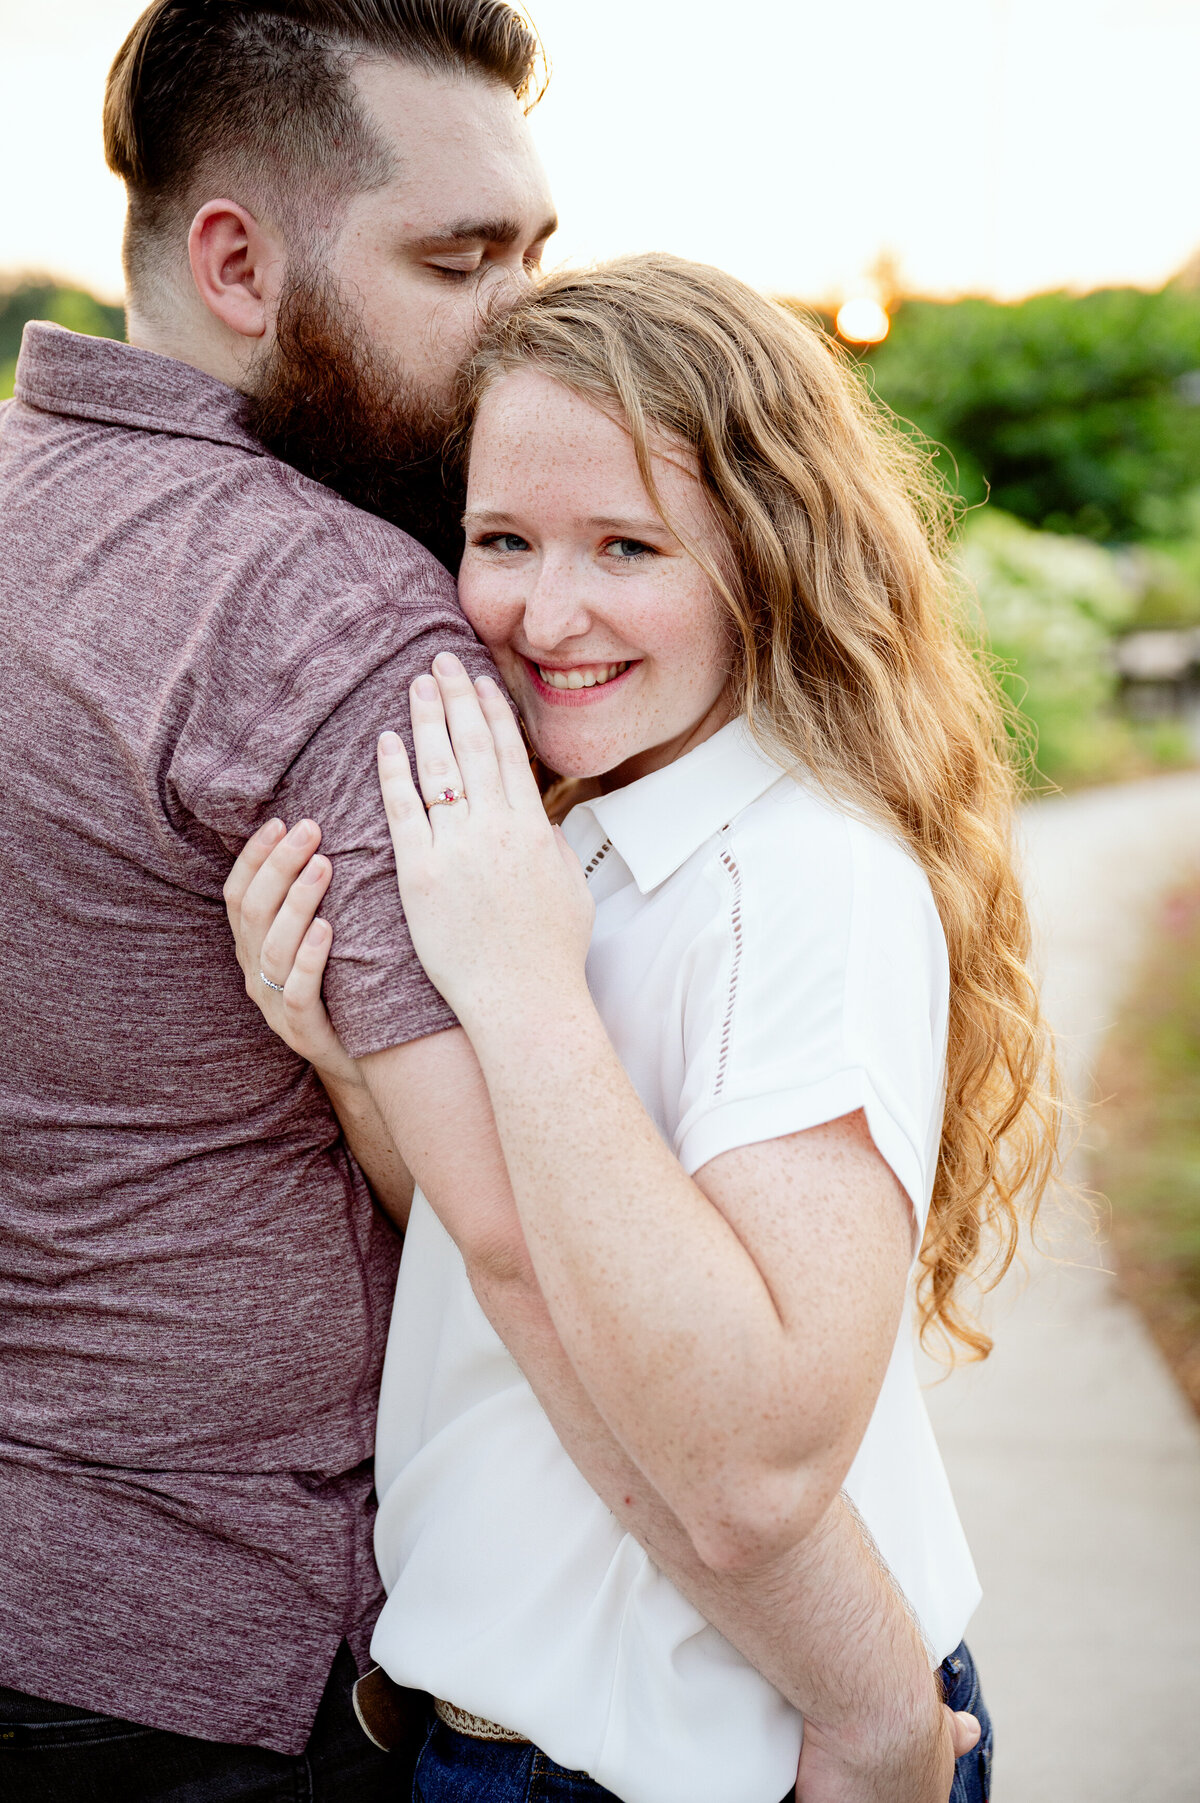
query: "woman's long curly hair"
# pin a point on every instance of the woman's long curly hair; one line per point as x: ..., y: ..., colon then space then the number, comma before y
x: 853, y: 657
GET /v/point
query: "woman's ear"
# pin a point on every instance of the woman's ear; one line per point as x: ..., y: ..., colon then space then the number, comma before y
x: 237, y: 265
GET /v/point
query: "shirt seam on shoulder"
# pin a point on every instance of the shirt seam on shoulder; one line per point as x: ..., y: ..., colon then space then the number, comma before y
x: 283, y: 689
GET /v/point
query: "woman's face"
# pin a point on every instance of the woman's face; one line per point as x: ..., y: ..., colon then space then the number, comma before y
x: 606, y: 630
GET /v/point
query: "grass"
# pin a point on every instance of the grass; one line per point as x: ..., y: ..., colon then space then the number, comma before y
x: 1148, y: 1155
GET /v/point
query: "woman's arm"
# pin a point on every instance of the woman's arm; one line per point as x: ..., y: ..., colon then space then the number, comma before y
x: 734, y: 1329
x: 824, y: 1624
x: 271, y: 898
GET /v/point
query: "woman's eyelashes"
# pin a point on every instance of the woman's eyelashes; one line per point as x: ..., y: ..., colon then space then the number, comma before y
x: 501, y: 541
x: 617, y: 550
x: 625, y: 550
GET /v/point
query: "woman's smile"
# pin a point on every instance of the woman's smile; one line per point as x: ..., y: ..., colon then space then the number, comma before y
x: 603, y: 624
x: 577, y: 685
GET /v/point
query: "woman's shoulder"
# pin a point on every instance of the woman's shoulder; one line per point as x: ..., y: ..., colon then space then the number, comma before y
x: 806, y: 848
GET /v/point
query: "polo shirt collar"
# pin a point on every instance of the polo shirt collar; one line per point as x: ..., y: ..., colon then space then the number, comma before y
x: 117, y: 384
x: 656, y: 823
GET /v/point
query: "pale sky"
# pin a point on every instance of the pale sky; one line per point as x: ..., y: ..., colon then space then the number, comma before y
x: 1003, y: 146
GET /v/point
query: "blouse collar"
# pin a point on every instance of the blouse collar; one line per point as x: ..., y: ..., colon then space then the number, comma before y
x: 657, y: 822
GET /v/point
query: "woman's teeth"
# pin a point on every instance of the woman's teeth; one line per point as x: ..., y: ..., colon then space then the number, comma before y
x: 593, y: 676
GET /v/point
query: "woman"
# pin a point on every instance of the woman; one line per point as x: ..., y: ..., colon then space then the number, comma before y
x: 805, y: 1059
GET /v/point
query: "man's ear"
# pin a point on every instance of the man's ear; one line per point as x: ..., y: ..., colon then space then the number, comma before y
x: 237, y: 266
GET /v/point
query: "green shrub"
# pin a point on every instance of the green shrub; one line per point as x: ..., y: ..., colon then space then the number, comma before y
x: 1048, y: 609
x: 1078, y: 413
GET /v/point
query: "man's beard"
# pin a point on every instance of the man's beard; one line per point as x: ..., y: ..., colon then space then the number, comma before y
x: 327, y: 402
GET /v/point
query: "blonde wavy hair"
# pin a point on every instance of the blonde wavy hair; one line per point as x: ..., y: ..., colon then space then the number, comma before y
x: 854, y: 657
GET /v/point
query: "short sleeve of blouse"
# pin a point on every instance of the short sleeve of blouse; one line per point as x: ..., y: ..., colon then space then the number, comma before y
x: 819, y: 986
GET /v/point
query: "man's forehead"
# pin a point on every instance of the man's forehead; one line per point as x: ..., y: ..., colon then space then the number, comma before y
x: 466, y: 167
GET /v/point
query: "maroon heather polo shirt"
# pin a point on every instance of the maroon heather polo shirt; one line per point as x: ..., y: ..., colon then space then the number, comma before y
x: 194, y: 1286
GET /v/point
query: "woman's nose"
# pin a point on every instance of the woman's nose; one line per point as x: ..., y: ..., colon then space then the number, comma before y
x: 555, y: 608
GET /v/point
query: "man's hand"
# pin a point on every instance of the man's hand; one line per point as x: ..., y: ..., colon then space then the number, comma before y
x: 919, y: 1770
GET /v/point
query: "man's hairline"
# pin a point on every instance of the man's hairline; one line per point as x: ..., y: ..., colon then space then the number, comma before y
x: 306, y: 246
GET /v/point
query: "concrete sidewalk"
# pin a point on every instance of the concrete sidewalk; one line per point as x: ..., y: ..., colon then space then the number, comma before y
x: 1074, y: 1458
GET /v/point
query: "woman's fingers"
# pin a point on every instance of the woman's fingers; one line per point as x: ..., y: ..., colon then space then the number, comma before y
x: 437, y: 766
x: 408, y: 822
x: 471, y: 739
x: 302, y: 990
x: 265, y: 893
x: 250, y: 860
x: 286, y: 932
x: 512, y: 755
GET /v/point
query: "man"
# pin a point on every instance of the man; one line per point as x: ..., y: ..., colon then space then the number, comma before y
x: 325, y: 198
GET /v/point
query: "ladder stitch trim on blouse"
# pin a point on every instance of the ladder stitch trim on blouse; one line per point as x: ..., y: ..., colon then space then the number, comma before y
x: 598, y: 859
x: 735, y: 921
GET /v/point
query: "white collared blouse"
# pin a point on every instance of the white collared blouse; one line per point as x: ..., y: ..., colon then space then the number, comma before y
x: 764, y: 961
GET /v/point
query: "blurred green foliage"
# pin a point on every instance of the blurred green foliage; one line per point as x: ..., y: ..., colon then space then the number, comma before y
x: 1048, y: 609
x: 1076, y: 413
x: 39, y: 298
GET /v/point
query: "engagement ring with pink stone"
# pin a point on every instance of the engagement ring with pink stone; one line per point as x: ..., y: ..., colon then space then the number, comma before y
x: 445, y: 799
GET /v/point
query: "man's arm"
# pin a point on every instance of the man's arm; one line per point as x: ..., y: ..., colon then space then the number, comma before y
x: 825, y: 1623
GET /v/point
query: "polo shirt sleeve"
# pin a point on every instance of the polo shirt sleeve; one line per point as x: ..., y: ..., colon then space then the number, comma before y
x: 375, y: 988
x: 818, y: 987
x: 303, y: 676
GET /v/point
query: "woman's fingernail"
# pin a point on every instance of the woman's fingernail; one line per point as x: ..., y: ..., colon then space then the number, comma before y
x: 448, y: 662
x: 273, y: 830
x: 389, y: 744
x: 313, y: 871
x: 316, y: 933
x: 487, y: 685
x: 302, y: 831
x: 425, y: 688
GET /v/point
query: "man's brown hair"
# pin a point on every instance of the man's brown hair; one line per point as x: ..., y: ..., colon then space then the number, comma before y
x: 255, y: 96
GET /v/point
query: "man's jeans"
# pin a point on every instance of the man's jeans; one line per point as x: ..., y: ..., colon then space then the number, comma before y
x: 960, y: 1687
x: 454, y: 1768
x: 51, y: 1754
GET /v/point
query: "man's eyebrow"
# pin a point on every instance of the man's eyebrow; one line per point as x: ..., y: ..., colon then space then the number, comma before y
x: 487, y: 231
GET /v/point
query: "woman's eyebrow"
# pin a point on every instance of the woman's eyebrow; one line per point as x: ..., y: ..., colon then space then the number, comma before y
x: 490, y: 516
x: 650, y: 524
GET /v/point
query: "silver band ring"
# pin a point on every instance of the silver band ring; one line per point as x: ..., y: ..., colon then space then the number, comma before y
x: 446, y: 799
x: 264, y: 978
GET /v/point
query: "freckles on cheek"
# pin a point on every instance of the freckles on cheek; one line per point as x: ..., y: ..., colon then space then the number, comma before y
x: 487, y: 617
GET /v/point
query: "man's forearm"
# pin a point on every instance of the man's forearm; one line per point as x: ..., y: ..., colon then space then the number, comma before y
x: 826, y: 1626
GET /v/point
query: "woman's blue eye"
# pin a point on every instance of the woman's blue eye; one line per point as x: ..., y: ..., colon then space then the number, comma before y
x: 506, y: 541
x: 626, y: 548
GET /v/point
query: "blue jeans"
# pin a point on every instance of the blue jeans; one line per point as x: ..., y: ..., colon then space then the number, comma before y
x: 454, y: 1768
x: 960, y: 1688
x: 52, y: 1754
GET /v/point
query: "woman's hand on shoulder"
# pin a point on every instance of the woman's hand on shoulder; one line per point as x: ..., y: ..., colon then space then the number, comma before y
x: 496, y: 901
x: 271, y: 898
